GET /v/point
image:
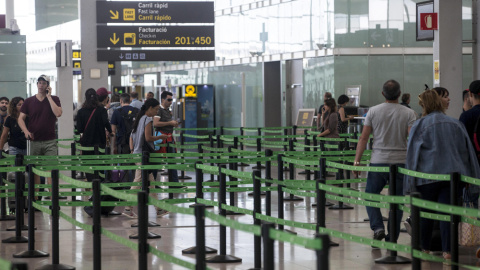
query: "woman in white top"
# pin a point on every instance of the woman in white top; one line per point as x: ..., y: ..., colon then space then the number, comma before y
x: 143, y: 130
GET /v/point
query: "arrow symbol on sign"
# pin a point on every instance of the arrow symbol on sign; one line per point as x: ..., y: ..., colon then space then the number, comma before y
x: 374, y: 35
x: 114, y: 15
x: 114, y: 40
x: 121, y: 56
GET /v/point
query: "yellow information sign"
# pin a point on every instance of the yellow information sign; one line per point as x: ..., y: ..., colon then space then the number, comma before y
x: 129, y: 14
x: 190, y: 91
x: 129, y: 39
x: 436, y: 71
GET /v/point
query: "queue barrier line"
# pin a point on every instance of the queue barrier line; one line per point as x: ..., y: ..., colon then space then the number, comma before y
x: 86, y: 162
x: 439, y: 177
x: 186, y: 135
x: 231, y: 223
x: 470, y: 180
x: 287, y: 237
x: 196, y: 129
x: 172, y: 259
x: 13, y: 169
x: 228, y: 183
x: 272, y: 130
x: 237, y: 209
x: 448, y: 209
x: 357, y: 168
x: 28, y: 159
x: 4, y: 264
x: 64, y: 146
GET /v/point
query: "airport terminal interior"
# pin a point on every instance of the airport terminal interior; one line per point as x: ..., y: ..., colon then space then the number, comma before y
x: 246, y: 77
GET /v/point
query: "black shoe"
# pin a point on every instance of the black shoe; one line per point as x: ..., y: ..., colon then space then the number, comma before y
x: 379, y: 235
x: 62, y: 197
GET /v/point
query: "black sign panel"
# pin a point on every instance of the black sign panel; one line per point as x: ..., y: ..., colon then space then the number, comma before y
x: 155, y: 12
x: 155, y: 55
x: 155, y: 36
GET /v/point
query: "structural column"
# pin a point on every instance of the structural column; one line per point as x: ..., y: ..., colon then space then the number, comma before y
x: 447, y: 50
x: 94, y: 73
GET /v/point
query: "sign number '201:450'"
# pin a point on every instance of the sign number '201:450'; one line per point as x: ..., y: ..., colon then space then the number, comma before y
x: 188, y: 40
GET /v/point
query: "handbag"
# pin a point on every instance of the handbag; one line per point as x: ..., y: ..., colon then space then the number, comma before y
x: 90, y: 118
x: 146, y: 147
x: 469, y: 235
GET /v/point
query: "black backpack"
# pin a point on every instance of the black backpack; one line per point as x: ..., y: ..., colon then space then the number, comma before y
x: 128, y: 117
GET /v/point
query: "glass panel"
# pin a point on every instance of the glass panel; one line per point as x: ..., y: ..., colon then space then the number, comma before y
x: 418, y: 72
x: 13, y: 52
x: 352, y: 70
x: 351, y: 23
x: 380, y: 69
x: 467, y: 70
x: 318, y: 78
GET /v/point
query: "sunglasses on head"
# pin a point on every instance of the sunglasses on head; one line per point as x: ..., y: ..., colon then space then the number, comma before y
x: 169, y: 99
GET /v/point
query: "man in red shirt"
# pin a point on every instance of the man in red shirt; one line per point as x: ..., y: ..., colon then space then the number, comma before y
x: 43, y: 109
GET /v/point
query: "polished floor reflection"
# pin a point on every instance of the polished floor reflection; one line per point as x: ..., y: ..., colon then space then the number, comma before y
x: 178, y: 232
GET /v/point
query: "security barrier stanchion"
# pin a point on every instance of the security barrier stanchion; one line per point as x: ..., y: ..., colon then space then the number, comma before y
x: 322, y: 255
x: 234, y: 167
x: 242, y: 133
x: 280, y: 190
x: 55, y: 229
x: 268, y: 247
x: 393, y: 258
x: 340, y: 205
x: 97, y: 231
x: 170, y: 178
x: 257, y: 209
x: 321, y: 201
x: 200, y: 237
x: 222, y: 257
x: 323, y: 173
x: 306, y: 149
x: 294, y: 130
x: 182, y: 143
x: 268, y: 176
x: 143, y: 247
x: 31, y: 252
x: 454, y: 219
x: 146, y: 188
x: 415, y: 219
x: 285, y: 146
x: 219, y: 141
x: 211, y: 164
x: 3, y: 200
x: 259, y: 165
x: 19, y: 206
x: 73, y: 174
x: 96, y: 152
x: 291, y: 197
x: 199, y: 195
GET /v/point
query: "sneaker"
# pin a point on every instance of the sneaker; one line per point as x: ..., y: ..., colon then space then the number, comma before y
x: 162, y: 212
x: 408, y: 226
x: 447, y: 257
x: 379, y: 235
x: 129, y: 214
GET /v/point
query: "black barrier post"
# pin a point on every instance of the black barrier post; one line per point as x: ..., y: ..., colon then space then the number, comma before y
x: 393, y: 258
x: 321, y: 202
x: 323, y: 174
x: 73, y: 174
x: 291, y: 170
x: 219, y: 141
x: 306, y: 149
x: 259, y: 165
x: 322, y: 254
x: 268, y: 247
x: 268, y: 176
x: 200, y: 237
x: 31, y: 252
x: 454, y: 219
x: 199, y: 195
x: 97, y: 229
x: 222, y: 257
x: 146, y: 188
x: 143, y: 247
x: 3, y: 200
x: 96, y: 152
x: 280, y: 190
x: 211, y: 164
x: 242, y: 133
x: 340, y: 205
x: 55, y: 228
x: 19, y: 206
x: 257, y: 209
x: 415, y: 219
x: 294, y: 130
x: 232, y: 166
x: 182, y: 143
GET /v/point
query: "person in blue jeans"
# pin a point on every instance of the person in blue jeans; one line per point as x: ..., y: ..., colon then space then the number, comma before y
x: 390, y: 124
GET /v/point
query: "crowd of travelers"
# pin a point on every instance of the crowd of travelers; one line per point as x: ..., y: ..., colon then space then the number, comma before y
x: 430, y: 143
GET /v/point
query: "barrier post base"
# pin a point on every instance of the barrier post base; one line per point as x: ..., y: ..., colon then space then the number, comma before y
x: 231, y: 213
x: 150, y: 235
x: 184, y: 177
x: 258, y: 168
x: 303, y: 172
x: 56, y: 267
x: 31, y: 254
x: 292, y: 199
x: 14, y: 239
x: 150, y: 224
x: 193, y: 250
x: 262, y: 193
x: 383, y: 218
x: 340, y: 207
x: 195, y: 204
x: 13, y: 228
x: 393, y: 260
x: 223, y: 259
x: 243, y: 164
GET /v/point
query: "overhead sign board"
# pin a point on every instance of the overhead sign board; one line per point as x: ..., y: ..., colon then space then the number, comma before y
x: 155, y: 12
x: 155, y: 36
x: 428, y: 21
x: 190, y: 91
x: 155, y: 55
x: 423, y: 8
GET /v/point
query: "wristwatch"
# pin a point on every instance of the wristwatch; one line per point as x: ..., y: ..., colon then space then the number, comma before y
x: 356, y: 163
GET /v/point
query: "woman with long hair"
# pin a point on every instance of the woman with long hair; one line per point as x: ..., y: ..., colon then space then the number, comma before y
x: 142, y: 134
x: 17, y: 144
x: 331, y: 122
x: 444, y: 96
x: 92, y: 120
x: 438, y: 144
x: 342, y: 114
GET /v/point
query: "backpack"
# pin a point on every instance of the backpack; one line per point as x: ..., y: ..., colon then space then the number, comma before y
x: 128, y: 117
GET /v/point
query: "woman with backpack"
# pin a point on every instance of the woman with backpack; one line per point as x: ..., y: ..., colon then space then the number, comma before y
x: 142, y: 139
x: 92, y: 120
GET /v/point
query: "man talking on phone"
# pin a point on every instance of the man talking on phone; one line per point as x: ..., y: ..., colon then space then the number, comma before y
x: 43, y: 109
x: 164, y: 123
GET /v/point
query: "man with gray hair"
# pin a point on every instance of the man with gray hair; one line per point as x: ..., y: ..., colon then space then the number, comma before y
x: 390, y: 124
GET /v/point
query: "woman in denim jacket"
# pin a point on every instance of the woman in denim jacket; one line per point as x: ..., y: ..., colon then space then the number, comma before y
x: 438, y: 144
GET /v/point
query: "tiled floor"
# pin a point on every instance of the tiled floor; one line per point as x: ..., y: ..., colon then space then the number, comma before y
x: 178, y: 233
